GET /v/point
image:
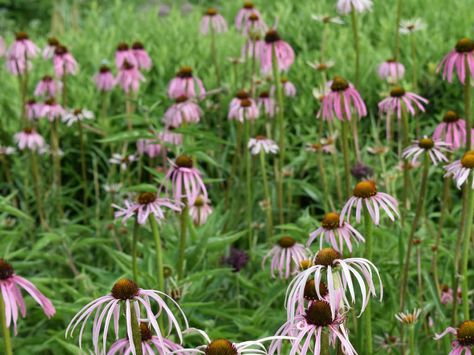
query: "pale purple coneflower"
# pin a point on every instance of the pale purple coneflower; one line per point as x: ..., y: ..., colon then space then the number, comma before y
x: 252, y: 47
x: 365, y: 195
x: 47, y: 86
x: 126, y: 296
x: 339, y: 274
x: 254, y: 25
x: 399, y: 100
x: 464, y: 338
x: 170, y: 136
x: 460, y: 58
x: 146, y: 204
x: 149, y: 147
x: 462, y: 169
x: 378, y: 150
x: 123, y: 54
x: 10, y: 284
x: 48, y: 50
x: 325, y: 19
x: 182, y: 111
x: 402, y: 165
x: 408, y: 318
x: 17, y: 66
x: 22, y: 49
x: 244, y: 13
x: 6, y: 150
x: 237, y: 99
x: 267, y: 103
x: 247, y: 110
x: 200, y: 210
x: 411, y: 26
x: 150, y: 344
x: 213, y: 21
x: 77, y: 115
x: 129, y: 77
x: 186, y: 84
x: 122, y: 160
x: 335, y: 232
x: 307, y: 329
x: 142, y: 58
x: 342, y: 93
x: 328, y: 148
x: 262, y: 144
x: 186, y: 180
x: 345, y: 7
x: 112, y: 188
x: 52, y: 110
x: 427, y: 145
x: 285, y: 256
x: 447, y: 295
x: 33, y: 109
x: 391, y: 70
x: 285, y: 56
x: 29, y: 139
x: 64, y: 62
x: 452, y: 130
x: 104, y: 79
x: 289, y: 89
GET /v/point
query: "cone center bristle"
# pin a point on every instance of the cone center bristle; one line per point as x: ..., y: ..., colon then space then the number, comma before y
x: 272, y: 36
x: 465, y: 333
x: 6, y: 270
x: 331, y: 220
x: 184, y: 161
x: 467, y: 160
x: 319, y: 314
x: 145, y: 332
x: 124, y: 289
x: 365, y: 189
x: 211, y: 11
x: 464, y: 45
x: 450, y: 117
x: 397, y: 92
x: 199, y: 202
x: 339, y: 84
x: 53, y: 41
x: 286, y: 242
x: 123, y: 47
x: 146, y: 197
x: 306, y: 264
x: 20, y: 36
x: 185, y: 72
x: 310, y: 293
x: 220, y: 347
x: 137, y: 45
x: 326, y: 257
x: 426, y: 143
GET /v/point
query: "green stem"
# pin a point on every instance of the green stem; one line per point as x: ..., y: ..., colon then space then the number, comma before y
x: 5, y: 331
x: 465, y: 252
x: 406, y: 173
x: 345, y: 153
x: 182, y: 240
x: 368, y: 255
x: 397, y: 32
x: 136, y: 335
x: 322, y: 173
x: 266, y: 189
x: 134, y: 251
x: 416, y: 220
x: 248, y: 180
x: 355, y: 32
x: 467, y: 105
x: 37, y: 187
x: 159, y: 253
x: 83, y: 164
x: 411, y: 335
x: 414, y: 63
x: 214, y: 56
x: 324, y: 343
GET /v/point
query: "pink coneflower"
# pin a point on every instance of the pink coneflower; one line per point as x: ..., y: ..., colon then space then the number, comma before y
x: 286, y: 256
x: 247, y: 109
x: 254, y: 25
x: 186, y: 180
x: 147, y: 203
x: 464, y: 338
x: 64, y: 62
x: 142, y: 58
x: 169, y: 136
x: 123, y: 160
x: 307, y: 330
x: 9, y: 285
x: 391, y: 70
x: 104, y: 79
x: 200, y: 210
x: 244, y: 13
x: 46, y: 86
x: 30, y: 139
x: 149, y: 343
x: 345, y: 7
x: 434, y: 148
x: 267, y: 103
x: 212, y: 21
x: 22, y: 48
x: 262, y: 144
x: 365, y: 194
x: 285, y: 56
x: 339, y: 278
x: 447, y: 295
x: 252, y: 47
x: 17, y: 66
x: 126, y: 295
x: 289, y: 89
x: 462, y: 169
x: 3, y: 47
x: 51, y: 45
x: 182, y: 111
x: 123, y: 54
x: 342, y: 93
x: 335, y: 233
x: 459, y: 57
x: 129, y: 77
x: 77, y: 115
x: 185, y: 84
x: 52, y: 110
x: 400, y: 99
x: 452, y: 130
x: 149, y: 147
x: 33, y: 109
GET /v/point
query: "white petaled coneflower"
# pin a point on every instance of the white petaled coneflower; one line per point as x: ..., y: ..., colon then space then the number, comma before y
x: 286, y: 257
x: 77, y: 115
x: 462, y: 169
x: 429, y: 146
x: 408, y: 318
x: 261, y: 143
x: 200, y: 210
x: 410, y: 26
x: 122, y: 160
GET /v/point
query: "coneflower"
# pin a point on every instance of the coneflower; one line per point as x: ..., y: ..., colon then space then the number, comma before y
x: 63, y: 61
x: 47, y: 86
x: 142, y: 58
x: 186, y: 84
x: 275, y: 49
x: 391, y: 70
x: 123, y: 54
x: 464, y: 337
x: 129, y: 77
x: 286, y: 257
x: 213, y: 21
x: 182, y: 111
x: 104, y: 79
x: 451, y: 130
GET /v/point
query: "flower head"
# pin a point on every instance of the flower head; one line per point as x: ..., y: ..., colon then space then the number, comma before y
x: 399, y: 100
x: 30, y: 139
x: 452, y: 130
x: 122, y: 160
x: 411, y: 26
x: 10, y: 285
x: 285, y: 256
x: 47, y: 87
x: 129, y: 77
x: 326, y: 19
x: 243, y: 108
x: 408, y: 318
x: 254, y: 25
x: 48, y: 50
x: 150, y: 147
x: 322, y: 66
x: 123, y: 54
x: 33, y: 109
x: 461, y: 170
x: 104, y: 79
x: 267, y: 102
x: 344, y: 7
x: 365, y: 195
x: 64, y: 62
x: 262, y: 144
x: 391, y: 70
x: 200, y: 210
x: 183, y: 111
x: 244, y: 13
x: 186, y: 84
x: 213, y: 21
x: 361, y: 171
x: 464, y: 337
x: 460, y: 58
x: 285, y: 56
x: 337, y: 103
x: 170, y: 136
x: 142, y: 58
x: 22, y: 48
x: 52, y: 110
x: 427, y: 145
x: 77, y: 115
x: 237, y: 258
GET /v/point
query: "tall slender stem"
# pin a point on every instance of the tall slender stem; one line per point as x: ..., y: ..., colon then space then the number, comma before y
x: 406, y: 172
x: 83, y: 164
x: 327, y: 199
x: 136, y: 335
x: 355, y: 32
x: 465, y: 251
x: 397, y: 31
x: 467, y: 105
x: 134, y: 251
x: 368, y: 256
x: 325, y: 342
x: 214, y: 55
x: 411, y: 337
x: 414, y: 62
x: 38, y: 188
x: 268, y: 200
x: 159, y: 253
x: 248, y: 182
x: 345, y: 153
x: 182, y: 239
x: 5, y: 330
x: 416, y: 220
